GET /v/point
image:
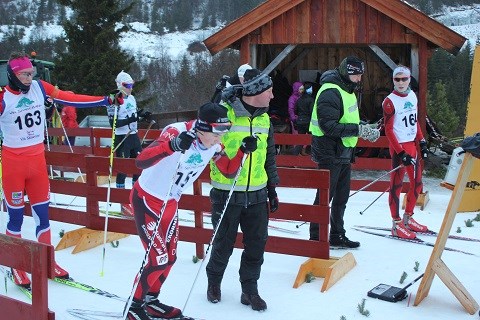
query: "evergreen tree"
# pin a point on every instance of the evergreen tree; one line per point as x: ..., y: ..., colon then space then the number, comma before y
x: 93, y: 58
x: 440, y: 110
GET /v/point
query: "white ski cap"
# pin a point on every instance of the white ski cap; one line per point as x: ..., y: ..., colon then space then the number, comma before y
x: 244, y: 67
x: 123, y: 77
x: 401, y: 69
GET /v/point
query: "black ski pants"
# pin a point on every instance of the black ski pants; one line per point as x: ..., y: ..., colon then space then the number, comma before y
x: 340, y: 176
x: 130, y: 148
x: 250, y: 211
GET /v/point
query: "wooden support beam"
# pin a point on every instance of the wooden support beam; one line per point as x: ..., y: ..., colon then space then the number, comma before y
x: 285, y: 52
x: 455, y: 286
x: 435, y: 264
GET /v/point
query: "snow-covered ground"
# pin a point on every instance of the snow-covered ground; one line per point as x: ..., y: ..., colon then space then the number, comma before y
x: 379, y: 260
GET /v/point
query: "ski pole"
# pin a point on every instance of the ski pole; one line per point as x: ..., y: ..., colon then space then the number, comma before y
x: 376, y: 180
x: 404, y: 289
x: 301, y: 224
x: 146, y: 132
x: 110, y: 170
x: 123, y: 140
x: 381, y: 194
x: 152, y: 238
x: 217, y: 227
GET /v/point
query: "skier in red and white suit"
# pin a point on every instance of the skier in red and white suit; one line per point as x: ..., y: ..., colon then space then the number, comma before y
x: 22, y: 119
x: 403, y: 132
x: 190, y: 145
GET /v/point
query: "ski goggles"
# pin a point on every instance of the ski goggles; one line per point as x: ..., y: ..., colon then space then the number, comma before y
x: 216, y: 127
x: 127, y: 85
x: 405, y: 79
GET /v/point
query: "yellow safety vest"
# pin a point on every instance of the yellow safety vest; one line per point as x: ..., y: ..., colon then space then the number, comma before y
x: 350, y: 113
x: 253, y: 175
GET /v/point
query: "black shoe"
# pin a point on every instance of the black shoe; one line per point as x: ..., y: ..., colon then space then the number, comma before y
x: 137, y: 311
x: 341, y: 241
x: 156, y: 309
x: 214, y: 293
x: 253, y: 300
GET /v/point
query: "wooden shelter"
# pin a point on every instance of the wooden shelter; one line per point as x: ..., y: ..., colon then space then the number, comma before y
x: 299, y: 39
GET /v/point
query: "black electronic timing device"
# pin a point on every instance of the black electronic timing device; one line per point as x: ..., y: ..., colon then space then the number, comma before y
x: 390, y: 293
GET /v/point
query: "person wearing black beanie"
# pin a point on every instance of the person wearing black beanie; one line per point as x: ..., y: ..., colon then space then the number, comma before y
x: 335, y: 128
x: 254, y: 188
x: 170, y: 165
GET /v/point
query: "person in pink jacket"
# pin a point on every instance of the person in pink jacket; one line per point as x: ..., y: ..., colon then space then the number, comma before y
x: 296, y: 93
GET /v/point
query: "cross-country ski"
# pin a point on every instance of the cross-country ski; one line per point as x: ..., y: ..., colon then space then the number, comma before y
x: 416, y: 240
x: 427, y: 233
x: 88, y: 288
x: 94, y: 314
x: 26, y: 290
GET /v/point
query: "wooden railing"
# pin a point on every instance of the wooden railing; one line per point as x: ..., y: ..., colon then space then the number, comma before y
x: 283, y: 160
x: 28, y: 255
x: 196, y: 202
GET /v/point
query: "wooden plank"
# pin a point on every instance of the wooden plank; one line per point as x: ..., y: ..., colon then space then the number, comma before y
x: 337, y: 270
x: 332, y: 270
x: 455, y: 286
x: 361, y: 34
x: 316, y: 21
x: 372, y: 25
x: 303, y: 23
x: 332, y: 16
x: 279, y: 58
x: 95, y: 238
x: 351, y: 14
x: 71, y: 238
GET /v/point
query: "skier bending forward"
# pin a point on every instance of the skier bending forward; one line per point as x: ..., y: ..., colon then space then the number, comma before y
x: 190, y: 146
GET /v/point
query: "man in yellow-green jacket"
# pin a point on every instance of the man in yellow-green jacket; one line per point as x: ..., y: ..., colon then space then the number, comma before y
x: 335, y: 127
x: 254, y: 195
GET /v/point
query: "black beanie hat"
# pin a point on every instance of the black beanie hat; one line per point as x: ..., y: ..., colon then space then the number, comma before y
x: 255, y: 82
x: 350, y: 66
x: 210, y: 113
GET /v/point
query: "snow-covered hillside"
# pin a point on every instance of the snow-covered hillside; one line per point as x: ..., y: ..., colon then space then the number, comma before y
x: 145, y: 45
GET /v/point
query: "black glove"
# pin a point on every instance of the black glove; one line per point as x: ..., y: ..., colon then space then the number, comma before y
x: 115, y: 97
x: 147, y: 116
x: 132, y: 118
x: 183, y: 141
x: 406, y: 159
x: 424, y: 149
x: 272, y: 198
x: 222, y: 83
x: 140, y: 113
x: 249, y: 144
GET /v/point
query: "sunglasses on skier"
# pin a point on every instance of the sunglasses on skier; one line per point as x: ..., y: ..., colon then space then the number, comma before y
x: 215, y: 127
x: 405, y: 79
x: 127, y: 85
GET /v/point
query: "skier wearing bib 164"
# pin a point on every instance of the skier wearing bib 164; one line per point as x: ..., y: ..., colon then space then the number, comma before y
x: 190, y: 146
x: 403, y: 132
x: 22, y: 119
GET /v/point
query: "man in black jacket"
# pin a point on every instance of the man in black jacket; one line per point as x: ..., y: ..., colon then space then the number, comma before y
x: 335, y: 128
x: 254, y: 196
